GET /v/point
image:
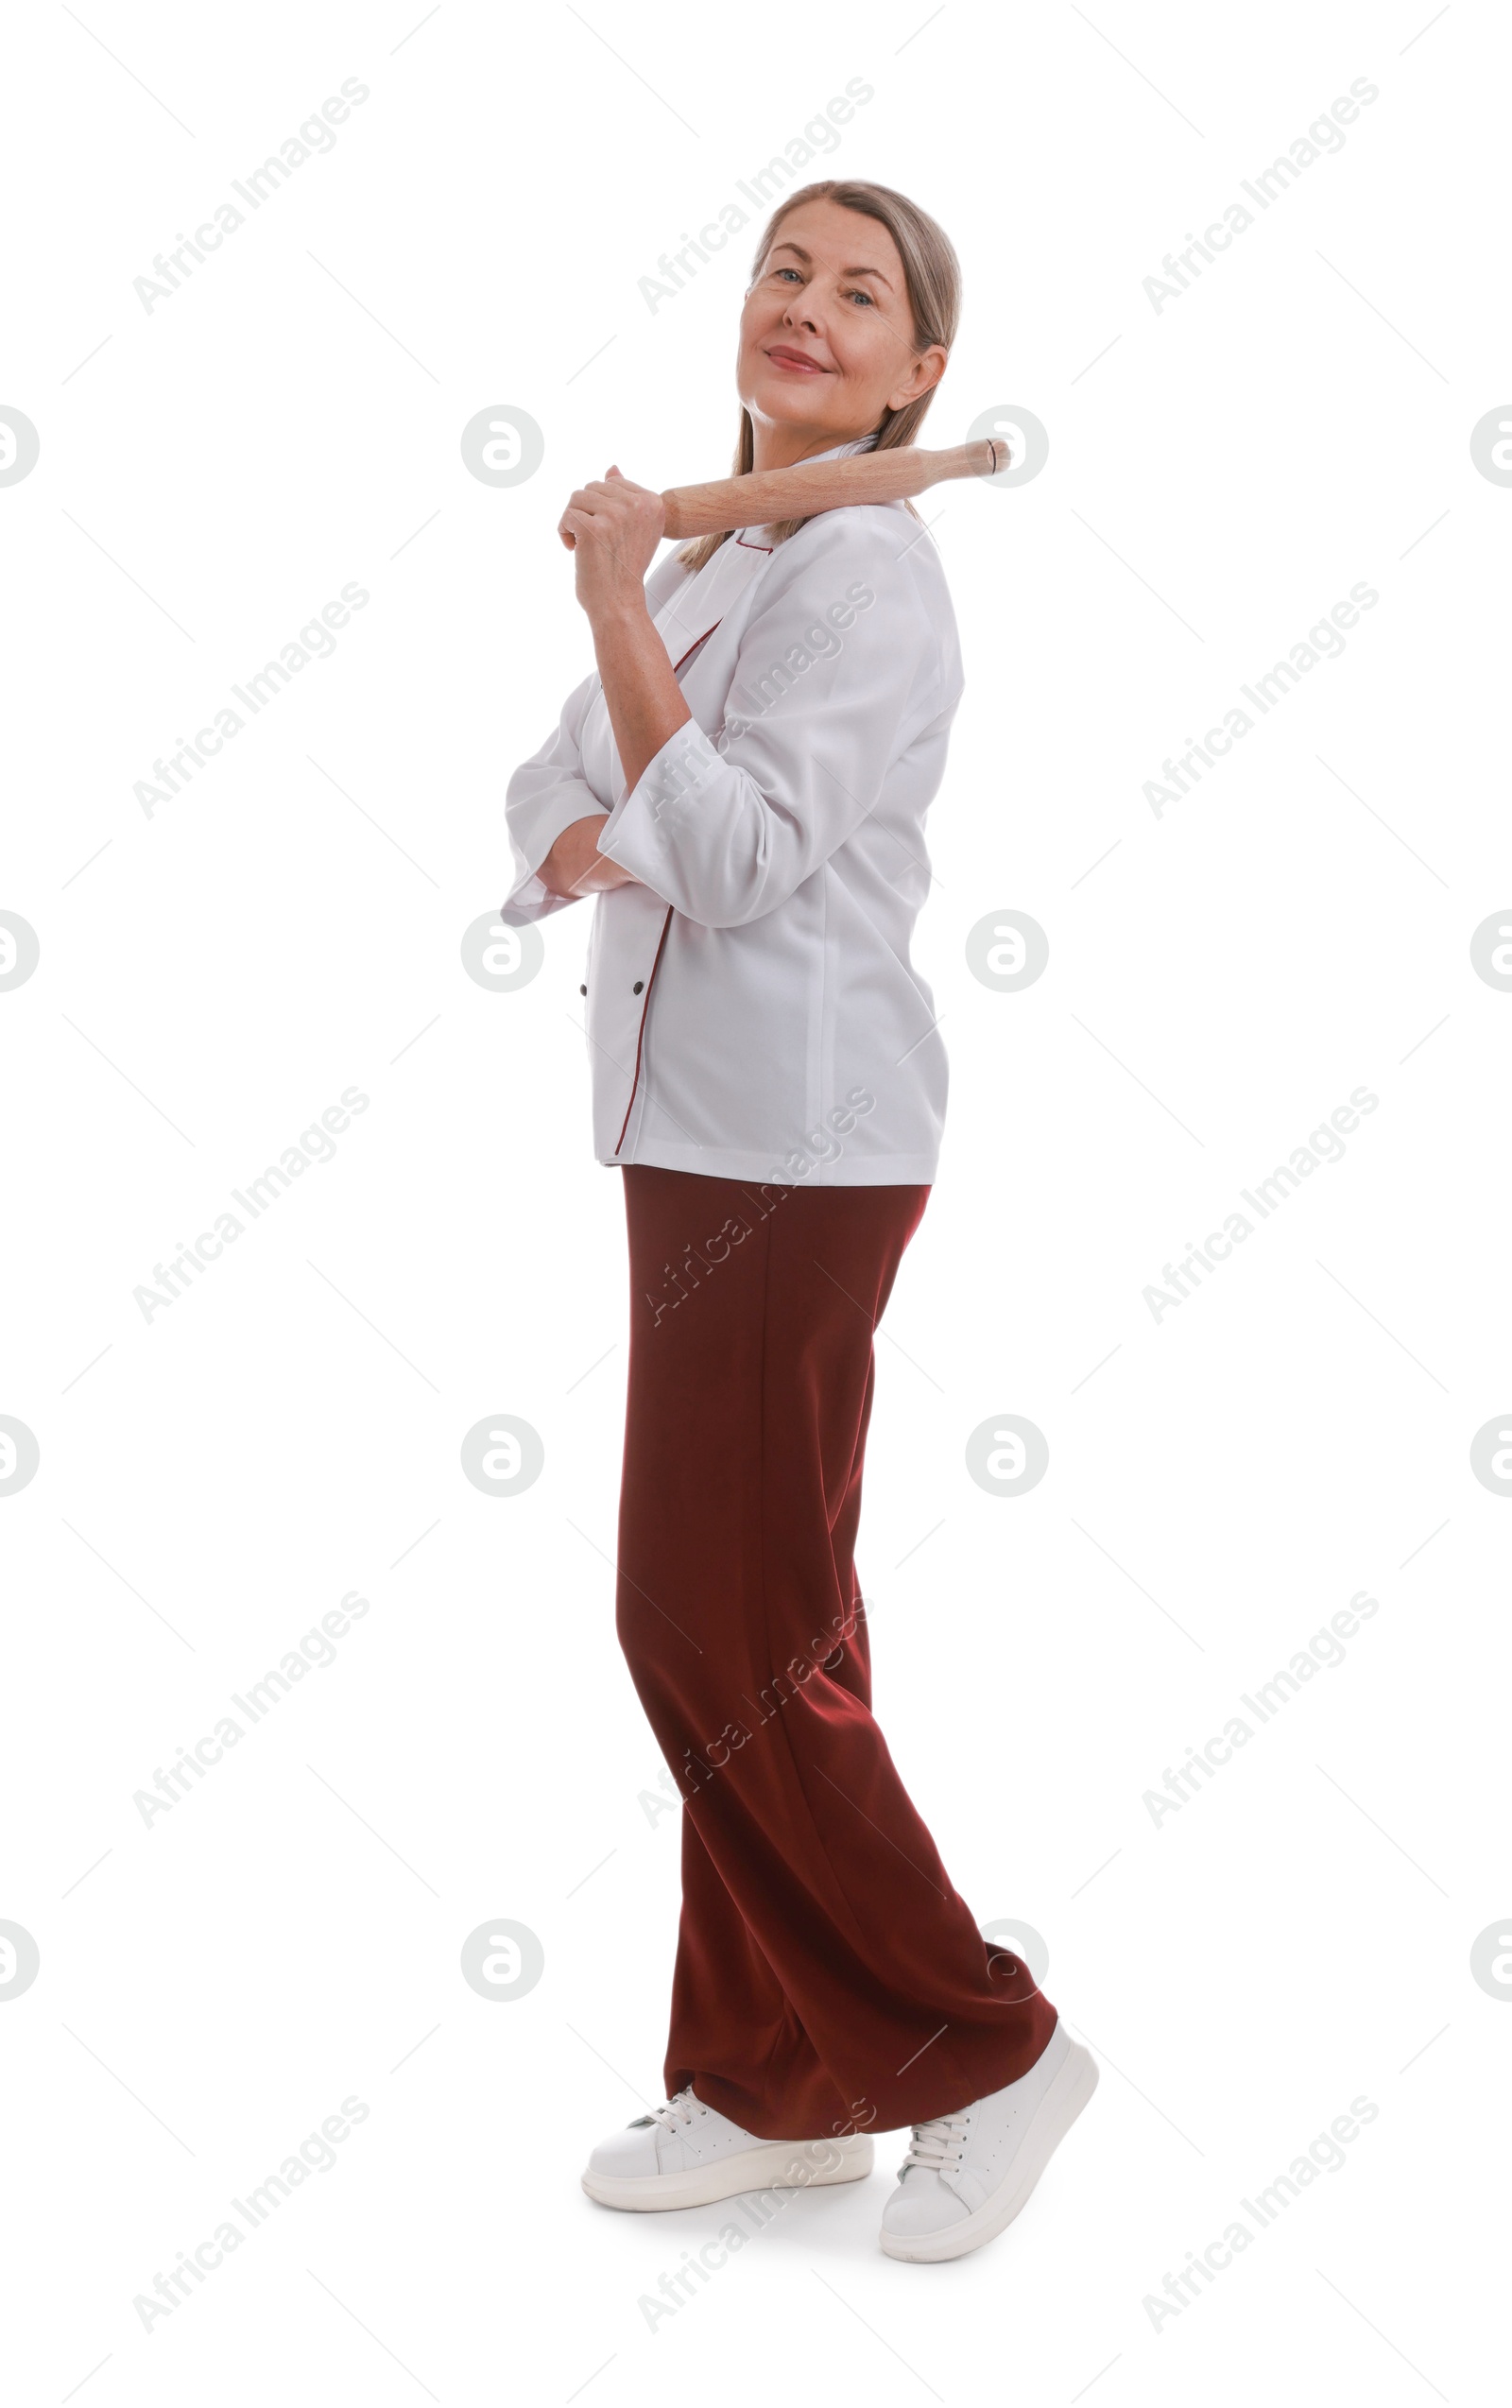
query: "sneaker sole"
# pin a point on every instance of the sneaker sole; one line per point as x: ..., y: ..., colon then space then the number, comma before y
x: 1068, y: 2092
x: 776, y: 2165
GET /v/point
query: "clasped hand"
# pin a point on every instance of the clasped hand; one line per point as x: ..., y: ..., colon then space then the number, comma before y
x: 612, y: 528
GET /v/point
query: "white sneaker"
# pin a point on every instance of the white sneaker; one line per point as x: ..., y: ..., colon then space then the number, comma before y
x: 684, y: 2154
x: 966, y: 2176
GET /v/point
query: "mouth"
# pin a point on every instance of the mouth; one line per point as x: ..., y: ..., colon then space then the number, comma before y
x: 798, y: 362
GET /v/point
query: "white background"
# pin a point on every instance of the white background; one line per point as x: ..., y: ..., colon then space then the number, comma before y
x: 1221, y: 1481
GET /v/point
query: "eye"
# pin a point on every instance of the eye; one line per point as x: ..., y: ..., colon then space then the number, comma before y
x: 865, y: 297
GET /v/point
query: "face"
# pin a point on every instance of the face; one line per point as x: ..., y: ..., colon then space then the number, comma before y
x: 826, y: 335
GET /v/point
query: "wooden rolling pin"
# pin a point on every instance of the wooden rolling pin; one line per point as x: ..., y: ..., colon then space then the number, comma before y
x: 767, y: 496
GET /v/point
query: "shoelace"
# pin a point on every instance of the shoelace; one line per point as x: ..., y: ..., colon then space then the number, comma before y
x: 939, y: 2145
x: 680, y: 2108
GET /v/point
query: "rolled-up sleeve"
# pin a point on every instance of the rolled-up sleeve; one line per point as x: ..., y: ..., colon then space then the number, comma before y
x: 840, y: 666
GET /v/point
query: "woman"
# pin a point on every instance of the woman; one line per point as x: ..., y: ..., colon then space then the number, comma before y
x: 744, y: 783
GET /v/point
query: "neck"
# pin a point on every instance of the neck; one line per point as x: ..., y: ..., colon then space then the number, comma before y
x: 783, y: 446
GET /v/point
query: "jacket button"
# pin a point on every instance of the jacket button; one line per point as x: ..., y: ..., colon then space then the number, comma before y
x: 639, y: 984
x: 582, y: 991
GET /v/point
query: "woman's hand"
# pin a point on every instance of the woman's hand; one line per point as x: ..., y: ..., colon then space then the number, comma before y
x: 613, y: 528
x: 575, y: 866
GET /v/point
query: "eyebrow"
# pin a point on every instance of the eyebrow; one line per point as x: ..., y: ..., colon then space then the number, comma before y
x: 800, y: 253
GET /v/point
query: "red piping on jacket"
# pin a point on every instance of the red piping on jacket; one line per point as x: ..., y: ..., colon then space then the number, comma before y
x: 640, y: 1034
x: 641, y: 1031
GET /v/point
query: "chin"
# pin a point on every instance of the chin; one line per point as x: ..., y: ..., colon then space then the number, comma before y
x: 788, y: 400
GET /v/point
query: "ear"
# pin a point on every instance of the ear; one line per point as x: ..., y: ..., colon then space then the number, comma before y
x: 924, y: 375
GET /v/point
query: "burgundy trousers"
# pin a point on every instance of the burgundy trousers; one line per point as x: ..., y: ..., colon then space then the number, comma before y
x: 827, y: 1977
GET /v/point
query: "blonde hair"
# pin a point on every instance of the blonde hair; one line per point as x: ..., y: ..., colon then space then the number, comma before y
x: 931, y: 274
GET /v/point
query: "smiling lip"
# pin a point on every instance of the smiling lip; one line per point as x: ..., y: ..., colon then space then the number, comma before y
x: 782, y: 357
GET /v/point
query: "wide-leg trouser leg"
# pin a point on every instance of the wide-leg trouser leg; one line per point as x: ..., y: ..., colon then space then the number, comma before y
x: 828, y: 1975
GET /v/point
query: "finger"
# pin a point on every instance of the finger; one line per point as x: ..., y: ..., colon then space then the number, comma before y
x: 597, y: 496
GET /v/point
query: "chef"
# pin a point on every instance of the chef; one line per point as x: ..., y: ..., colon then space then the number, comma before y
x: 743, y: 785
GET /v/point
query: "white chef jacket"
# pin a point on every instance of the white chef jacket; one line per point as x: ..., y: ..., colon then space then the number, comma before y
x: 752, y: 1011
